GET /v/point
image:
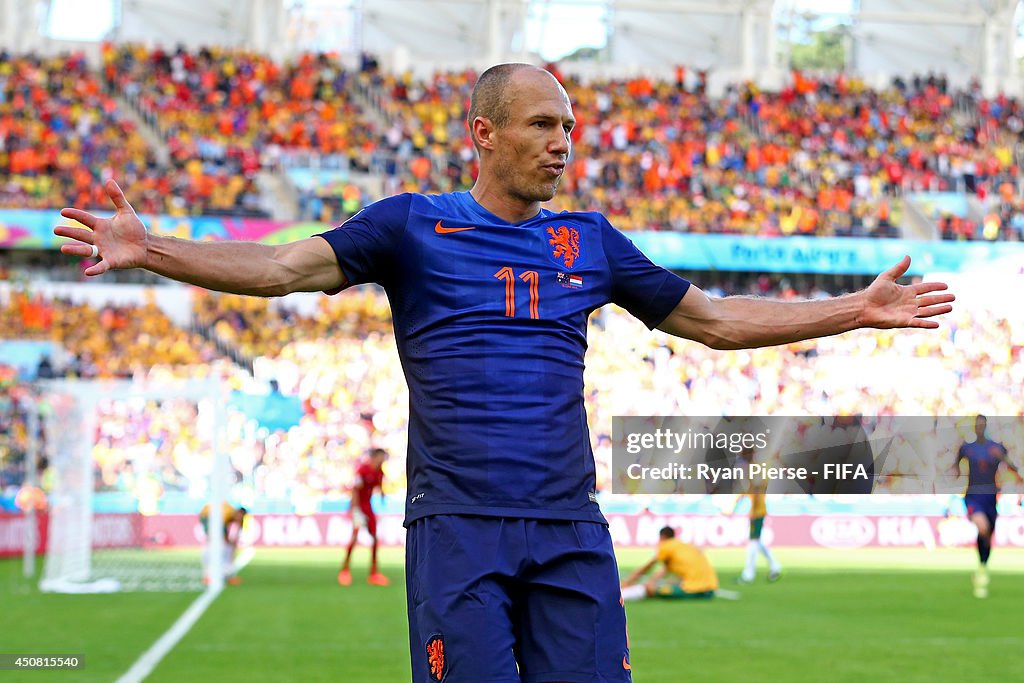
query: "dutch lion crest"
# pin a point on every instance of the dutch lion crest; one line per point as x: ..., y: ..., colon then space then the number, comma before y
x: 565, y: 243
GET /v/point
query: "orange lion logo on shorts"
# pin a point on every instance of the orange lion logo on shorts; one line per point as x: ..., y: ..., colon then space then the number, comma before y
x: 566, y: 243
x: 435, y: 657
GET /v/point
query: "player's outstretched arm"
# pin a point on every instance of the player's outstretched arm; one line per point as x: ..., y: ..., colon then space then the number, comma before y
x: 739, y: 322
x: 122, y: 242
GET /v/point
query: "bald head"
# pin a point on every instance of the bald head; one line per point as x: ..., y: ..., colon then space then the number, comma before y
x: 491, y: 99
x: 520, y: 119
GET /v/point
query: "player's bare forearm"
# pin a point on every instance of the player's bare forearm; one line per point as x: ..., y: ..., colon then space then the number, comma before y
x: 245, y: 267
x: 639, y: 572
x: 656, y: 577
x: 749, y: 322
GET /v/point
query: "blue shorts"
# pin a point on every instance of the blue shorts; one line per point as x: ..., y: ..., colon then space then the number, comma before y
x: 985, y: 503
x: 494, y: 600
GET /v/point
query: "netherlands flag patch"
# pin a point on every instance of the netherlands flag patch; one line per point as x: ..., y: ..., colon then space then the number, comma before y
x: 570, y: 281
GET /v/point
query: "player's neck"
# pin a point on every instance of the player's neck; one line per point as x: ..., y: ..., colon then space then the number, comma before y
x: 502, y: 204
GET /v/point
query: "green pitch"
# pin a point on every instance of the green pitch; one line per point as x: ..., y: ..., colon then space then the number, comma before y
x: 836, y: 615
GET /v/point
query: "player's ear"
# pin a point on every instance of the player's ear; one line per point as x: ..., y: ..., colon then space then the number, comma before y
x: 482, y: 130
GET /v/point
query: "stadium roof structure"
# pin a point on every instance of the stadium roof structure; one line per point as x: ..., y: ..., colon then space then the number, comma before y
x: 963, y: 39
x: 732, y: 39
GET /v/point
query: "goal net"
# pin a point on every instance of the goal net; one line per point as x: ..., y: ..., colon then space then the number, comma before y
x: 114, y: 450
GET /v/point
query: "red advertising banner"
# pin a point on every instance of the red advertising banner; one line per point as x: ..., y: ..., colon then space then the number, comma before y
x: 12, y: 534
x: 269, y: 530
x: 708, y: 531
x: 824, y: 531
x: 118, y: 530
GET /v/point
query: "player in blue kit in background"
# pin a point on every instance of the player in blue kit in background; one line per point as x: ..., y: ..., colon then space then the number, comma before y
x: 510, y: 570
x: 984, y: 457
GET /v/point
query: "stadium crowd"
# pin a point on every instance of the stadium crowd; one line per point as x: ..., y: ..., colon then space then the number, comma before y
x: 14, y: 436
x: 821, y: 157
x: 825, y: 156
x: 231, y: 112
x: 61, y: 132
x: 342, y: 365
x: 828, y: 157
x: 113, y: 341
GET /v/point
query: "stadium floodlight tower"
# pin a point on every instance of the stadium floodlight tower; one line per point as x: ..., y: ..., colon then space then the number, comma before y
x: 91, y: 552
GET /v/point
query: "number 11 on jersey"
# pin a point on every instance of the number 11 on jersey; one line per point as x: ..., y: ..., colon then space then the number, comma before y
x: 532, y: 278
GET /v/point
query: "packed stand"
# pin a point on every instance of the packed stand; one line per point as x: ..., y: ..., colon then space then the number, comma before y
x: 342, y: 363
x: 108, y: 342
x: 828, y: 157
x: 993, y: 178
x: 426, y: 147
x: 225, y: 113
x: 62, y: 134
x: 821, y: 157
x: 144, y: 448
x: 15, y: 403
x: 1002, y: 217
x: 915, y: 136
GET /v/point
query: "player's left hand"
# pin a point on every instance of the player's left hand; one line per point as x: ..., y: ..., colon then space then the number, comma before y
x: 890, y: 305
x: 119, y: 242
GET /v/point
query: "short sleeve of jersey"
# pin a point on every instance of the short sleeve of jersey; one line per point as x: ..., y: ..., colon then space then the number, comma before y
x: 365, y: 245
x: 647, y: 291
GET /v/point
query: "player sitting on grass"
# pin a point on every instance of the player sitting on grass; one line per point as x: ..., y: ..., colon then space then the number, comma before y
x: 692, y: 576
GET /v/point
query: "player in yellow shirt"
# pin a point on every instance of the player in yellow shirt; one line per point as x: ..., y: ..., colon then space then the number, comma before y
x: 691, y: 575
x: 755, y: 491
x: 233, y: 518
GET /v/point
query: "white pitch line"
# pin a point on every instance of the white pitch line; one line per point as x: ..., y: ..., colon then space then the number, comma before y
x: 145, y: 664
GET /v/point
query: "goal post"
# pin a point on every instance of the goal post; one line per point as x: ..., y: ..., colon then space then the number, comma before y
x: 95, y: 430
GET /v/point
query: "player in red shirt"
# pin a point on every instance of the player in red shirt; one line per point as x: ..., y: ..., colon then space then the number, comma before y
x: 369, y: 476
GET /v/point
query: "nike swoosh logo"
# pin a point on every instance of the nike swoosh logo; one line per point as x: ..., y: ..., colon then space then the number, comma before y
x: 441, y: 230
x: 625, y: 664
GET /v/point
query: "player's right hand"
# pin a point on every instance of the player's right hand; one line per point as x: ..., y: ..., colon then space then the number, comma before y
x: 120, y: 239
